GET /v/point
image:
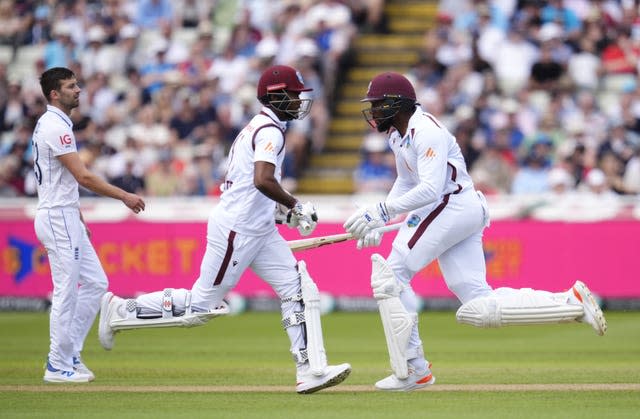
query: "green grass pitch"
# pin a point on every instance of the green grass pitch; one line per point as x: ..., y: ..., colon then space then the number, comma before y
x: 240, y: 367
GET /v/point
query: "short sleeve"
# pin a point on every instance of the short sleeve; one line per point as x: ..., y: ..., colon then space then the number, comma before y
x: 268, y: 143
x: 61, y: 140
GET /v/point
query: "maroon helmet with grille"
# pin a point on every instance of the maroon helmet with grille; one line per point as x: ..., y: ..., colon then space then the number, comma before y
x: 273, y: 86
x: 391, y: 92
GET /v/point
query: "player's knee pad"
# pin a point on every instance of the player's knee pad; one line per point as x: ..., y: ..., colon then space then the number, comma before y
x: 396, y: 321
x: 314, y: 351
x: 523, y: 306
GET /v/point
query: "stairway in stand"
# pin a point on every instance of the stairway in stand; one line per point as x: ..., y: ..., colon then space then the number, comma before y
x: 331, y: 172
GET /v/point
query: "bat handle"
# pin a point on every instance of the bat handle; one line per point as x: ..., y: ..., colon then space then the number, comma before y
x: 304, y: 225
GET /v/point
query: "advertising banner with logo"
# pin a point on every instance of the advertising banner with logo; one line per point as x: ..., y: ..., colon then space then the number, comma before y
x: 141, y: 256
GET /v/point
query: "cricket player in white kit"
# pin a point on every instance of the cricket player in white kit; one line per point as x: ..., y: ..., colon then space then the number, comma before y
x: 79, y: 281
x: 242, y: 233
x: 445, y: 219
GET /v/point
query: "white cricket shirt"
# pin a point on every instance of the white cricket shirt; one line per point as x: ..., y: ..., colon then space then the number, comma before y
x: 429, y: 164
x: 52, y: 137
x: 243, y: 208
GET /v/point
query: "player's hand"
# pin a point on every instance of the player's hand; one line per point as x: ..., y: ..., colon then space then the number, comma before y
x: 366, y: 219
x: 134, y: 202
x: 303, y: 217
x: 371, y: 239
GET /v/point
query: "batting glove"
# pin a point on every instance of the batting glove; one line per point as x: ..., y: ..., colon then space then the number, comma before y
x: 303, y: 217
x: 366, y: 219
x: 371, y: 239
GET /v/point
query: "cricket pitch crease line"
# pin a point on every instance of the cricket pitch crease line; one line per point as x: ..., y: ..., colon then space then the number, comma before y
x: 93, y: 388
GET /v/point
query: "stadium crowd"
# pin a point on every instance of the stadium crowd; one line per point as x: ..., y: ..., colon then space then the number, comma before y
x: 540, y: 94
x: 543, y: 96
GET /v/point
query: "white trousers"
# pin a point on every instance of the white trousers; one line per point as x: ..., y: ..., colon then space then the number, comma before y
x: 78, y: 282
x: 450, y: 232
x: 227, y: 256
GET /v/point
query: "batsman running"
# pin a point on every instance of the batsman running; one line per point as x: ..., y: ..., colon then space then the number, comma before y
x: 241, y: 233
x: 445, y: 220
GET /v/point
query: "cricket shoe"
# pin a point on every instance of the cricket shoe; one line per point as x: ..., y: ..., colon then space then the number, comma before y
x: 53, y: 375
x: 592, y: 312
x: 109, y: 305
x: 414, y: 381
x: 308, y: 383
x: 79, y: 366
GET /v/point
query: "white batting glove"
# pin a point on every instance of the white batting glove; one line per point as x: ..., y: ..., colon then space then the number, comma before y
x: 303, y: 217
x: 366, y: 219
x: 371, y: 239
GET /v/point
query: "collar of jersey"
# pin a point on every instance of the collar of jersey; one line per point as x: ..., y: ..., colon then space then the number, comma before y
x: 58, y: 111
x: 272, y: 115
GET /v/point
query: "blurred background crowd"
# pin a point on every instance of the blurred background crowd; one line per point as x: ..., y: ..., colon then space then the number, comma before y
x: 541, y: 95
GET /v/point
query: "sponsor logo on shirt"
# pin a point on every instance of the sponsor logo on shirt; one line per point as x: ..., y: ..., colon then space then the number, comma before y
x: 430, y: 153
x: 269, y: 148
x: 65, y: 140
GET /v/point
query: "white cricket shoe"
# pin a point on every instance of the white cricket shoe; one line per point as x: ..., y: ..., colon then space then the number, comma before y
x: 53, y: 375
x: 333, y: 375
x: 592, y: 312
x: 108, y: 308
x: 413, y: 382
x: 79, y: 366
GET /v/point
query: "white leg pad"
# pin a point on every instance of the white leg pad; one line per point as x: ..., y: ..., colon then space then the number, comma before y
x: 520, y: 307
x: 186, y: 320
x: 315, y: 343
x: 396, y: 321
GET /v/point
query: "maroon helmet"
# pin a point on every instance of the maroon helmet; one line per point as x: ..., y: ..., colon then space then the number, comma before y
x: 389, y: 85
x: 274, y: 88
x: 393, y: 92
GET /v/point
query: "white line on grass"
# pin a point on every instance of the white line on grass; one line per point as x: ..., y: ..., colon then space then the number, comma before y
x: 91, y: 388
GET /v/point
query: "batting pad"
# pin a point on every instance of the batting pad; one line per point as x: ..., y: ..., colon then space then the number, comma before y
x: 396, y: 321
x: 520, y: 307
x: 187, y: 320
x: 315, y: 343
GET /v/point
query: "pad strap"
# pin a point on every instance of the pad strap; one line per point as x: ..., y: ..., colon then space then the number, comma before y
x: 297, y: 297
x: 300, y: 356
x: 293, y: 320
x: 167, y: 303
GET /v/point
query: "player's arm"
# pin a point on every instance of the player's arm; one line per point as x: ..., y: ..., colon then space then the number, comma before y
x: 265, y: 181
x: 94, y: 183
x: 432, y: 171
x: 300, y: 216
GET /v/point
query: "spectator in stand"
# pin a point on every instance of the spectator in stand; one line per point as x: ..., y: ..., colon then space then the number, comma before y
x: 546, y: 72
x: 619, y: 142
x: 129, y: 181
x: 513, y: 60
x: 60, y: 51
x: 613, y: 169
x: 190, y: 13
x: 555, y: 11
x: 620, y: 61
x: 532, y: 177
x: 153, y: 73
x: 584, y: 67
x: 40, y: 30
x: 13, y: 29
x: 8, y: 167
x: 376, y: 171
x: 163, y: 179
x: 96, y: 57
x: 151, y: 13
x: 13, y: 110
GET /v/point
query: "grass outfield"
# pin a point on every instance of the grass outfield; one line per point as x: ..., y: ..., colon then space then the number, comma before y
x: 240, y: 367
